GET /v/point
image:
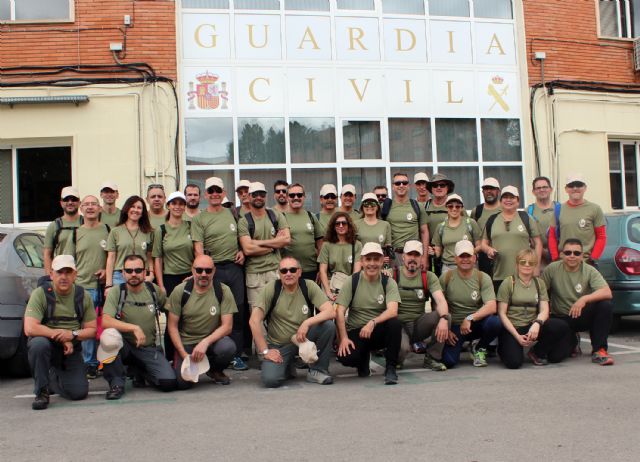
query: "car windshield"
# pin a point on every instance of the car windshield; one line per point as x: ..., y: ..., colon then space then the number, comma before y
x: 29, y: 249
x: 633, y: 229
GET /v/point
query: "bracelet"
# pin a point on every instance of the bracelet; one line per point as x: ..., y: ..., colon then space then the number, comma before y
x: 108, y: 286
x: 374, y: 322
x: 444, y: 316
x: 539, y: 322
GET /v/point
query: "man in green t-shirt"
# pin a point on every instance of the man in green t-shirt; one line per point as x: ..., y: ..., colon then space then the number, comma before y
x: 373, y: 316
x: 192, y: 193
x: 200, y: 326
x: 110, y: 214
x: 436, y: 209
x: 581, y: 297
x: 482, y: 212
x: 133, y: 310
x: 306, y: 233
x: 347, y: 201
x: 420, y: 181
x: 328, y: 200
x: 472, y: 304
x: 55, y: 330
x: 280, y: 196
x: 59, y: 235
x: 542, y: 211
x: 156, y: 199
x: 289, y: 315
x: 261, y: 243
x: 418, y: 325
x: 242, y: 192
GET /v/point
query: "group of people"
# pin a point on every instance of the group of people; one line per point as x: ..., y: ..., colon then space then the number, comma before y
x: 400, y: 275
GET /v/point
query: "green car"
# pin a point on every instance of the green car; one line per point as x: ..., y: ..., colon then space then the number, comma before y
x: 620, y: 262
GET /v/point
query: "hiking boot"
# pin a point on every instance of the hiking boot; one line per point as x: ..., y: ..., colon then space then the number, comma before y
x: 218, y: 377
x: 479, y: 357
x: 602, y: 357
x: 432, y: 363
x: 92, y: 372
x: 42, y: 400
x: 537, y: 360
x: 390, y: 375
x: 237, y: 364
x: 316, y: 376
x: 115, y: 392
x: 577, y: 350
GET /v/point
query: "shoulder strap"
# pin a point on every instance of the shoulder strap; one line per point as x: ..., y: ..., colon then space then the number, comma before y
x: 251, y: 224
x: 186, y: 293
x: 556, y: 211
x: 441, y: 230
x: 51, y: 300
x: 78, y: 302
x: 447, y: 279
x: 163, y: 233
x: 217, y: 289
x: 355, y: 279
x: 396, y: 275
x: 489, y: 224
x: 524, y: 216
x: 50, y: 297
x: 234, y: 213
x: 56, y: 235
x: 154, y: 295
x: 305, y: 293
x: 416, y: 208
x: 469, y: 227
x: 108, y: 228
x: 530, y: 211
x: 318, y: 215
x: 386, y: 208
x: 353, y: 255
x: 121, y: 299
x: 277, y: 289
x: 513, y: 288
x: 478, y: 212
x: 273, y: 218
x: 537, y: 283
x: 384, y: 280
x: 425, y: 284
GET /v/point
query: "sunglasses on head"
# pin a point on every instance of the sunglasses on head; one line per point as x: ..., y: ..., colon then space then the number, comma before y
x: 133, y: 270
x: 155, y: 186
x: 342, y: 223
x: 280, y: 191
x: 401, y: 183
x: 259, y: 194
x: 206, y: 270
x: 330, y: 196
x: 292, y: 270
x: 294, y: 195
x: 526, y: 263
x: 214, y: 189
x: 575, y: 253
x: 71, y: 199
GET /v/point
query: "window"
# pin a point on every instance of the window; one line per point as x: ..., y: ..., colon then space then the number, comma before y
x: 361, y: 140
x: 449, y: 8
x: 261, y: 141
x: 410, y: 140
x: 467, y: 183
x: 312, y: 140
x: 209, y: 4
x: 364, y: 179
x: 619, y: 18
x: 500, y: 139
x: 36, y: 10
x: 257, y: 4
x: 355, y: 4
x: 6, y: 187
x: 403, y: 6
x: 312, y: 179
x: 29, y: 249
x: 500, y: 9
x: 307, y: 5
x: 209, y: 141
x: 623, y: 173
x: 457, y: 140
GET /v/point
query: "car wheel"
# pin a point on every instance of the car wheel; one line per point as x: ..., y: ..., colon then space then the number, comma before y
x: 18, y: 364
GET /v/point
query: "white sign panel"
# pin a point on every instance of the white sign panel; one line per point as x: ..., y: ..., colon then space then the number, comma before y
x: 311, y: 91
x: 207, y: 90
x: 408, y: 92
x: 260, y: 90
x: 450, y: 42
x: 454, y: 93
x: 206, y: 36
x: 258, y: 37
x: 360, y: 92
x: 495, y: 44
x: 405, y: 40
x: 357, y: 39
x: 498, y: 94
x: 308, y: 38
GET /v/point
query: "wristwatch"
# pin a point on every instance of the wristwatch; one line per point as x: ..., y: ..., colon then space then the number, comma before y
x: 265, y: 351
x: 74, y: 334
x: 469, y: 318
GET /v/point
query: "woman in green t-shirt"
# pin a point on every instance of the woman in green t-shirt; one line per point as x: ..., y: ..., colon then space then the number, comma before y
x: 340, y: 254
x: 370, y: 228
x: 523, y: 307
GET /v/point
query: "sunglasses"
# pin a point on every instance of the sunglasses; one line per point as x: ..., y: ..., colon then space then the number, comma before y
x: 206, y: 270
x: 292, y: 270
x: 526, y: 263
x: 575, y: 253
x: 440, y: 185
x: 401, y: 183
x: 369, y: 204
x: 294, y: 195
x: 214, y: 189
x: 575, y: 185
x: 280, y: 191
x: 341, y: 223
x: 330, y: 196
x: 71, y: 199
x: 454, y: 206
x: 381, y: 196
x: 133, y: 270
x: 347, y: 194
x: 259, y: 194
x: 421, y: 183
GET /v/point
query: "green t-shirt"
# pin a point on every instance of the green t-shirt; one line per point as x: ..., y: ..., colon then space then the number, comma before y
x: 508, y: 242
x: 405, y: 225
x: 436, y: 214
x: 290, y: 311
x: 413, y: 295
x: 566, y: 287
x: 201, y: 315
x: 579, y: 222
x: 264, y: 231
x: 65, y: 237
x: 486, y: 214
x: 305, y: 231
x: 110, y: 219
x: 524, y: 300
x: 544, y: 219
x: 446, y: 237
x: 465, y: 296
x: 341, y: 257
x: 91, y: 255
x: 37, y: 308
x: 123, y: 243
x: 157, y: 220
x: 323, y: 219
x: 369, y: 300
x: 176, y: 249
x: 379, y: 233
x: 138, y: 309
x: 218, y: 232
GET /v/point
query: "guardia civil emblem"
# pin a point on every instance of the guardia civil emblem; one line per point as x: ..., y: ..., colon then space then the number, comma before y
x: 143, y: 245
x: 582, y: 223
x: 305, y: 309
x: 350, y: 259
x: 420, y: 293
x: 103, y: 244
x: 521, y: 228
x: 309, y: 226
x: 151, y: 307
x: 409, y: 216
x: 465, y: 237
x: 232, y: 227
x: 213, y: 310
x: 380, y: 238
x: 380, y: 299
x: 474, y: 295
x: 273, y: 231
x: 578, y: 288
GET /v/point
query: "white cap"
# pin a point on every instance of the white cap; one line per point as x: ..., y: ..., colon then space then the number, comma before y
x: 413, y: 246
x: 490, y: 183
x: 110, y: 343
x: 371, y: 247
x: 307, y: 350
x: 191, y: 370
x: 454, y: 198
x: 257, y: 187
x: 214, y: 181
x: 225, y: 200
x: 69, y: 191
x: 348, y: 188
x: 575, y: 178
x: 108, y: 184
x: 176, y: 195
x: 243, y: 184
x: 420, y: 176
x: 464, y: 246
x: 510, y: 190
x: 63, y: 261
x: 328, y: 189
x: 369, y: 197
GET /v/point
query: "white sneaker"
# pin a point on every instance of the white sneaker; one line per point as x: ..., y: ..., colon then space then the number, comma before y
x: 316, y: 376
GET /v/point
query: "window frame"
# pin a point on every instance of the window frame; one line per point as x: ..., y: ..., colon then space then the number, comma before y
x: 628, y: 25
x: 622, y: 172
x: 70, y: 19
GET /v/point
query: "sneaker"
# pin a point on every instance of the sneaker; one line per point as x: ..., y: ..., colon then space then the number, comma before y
x: 238, y: 364
x: 577, y: 350
x: 218, y: 377
x: 419, y: 347
x: 602, y: 357
x: 479, y: 357
x: 316, y: 376
x: 390, y: 375
x: 92, y: 372
x: 537, y: 360
x: 42, y: 400
x: 431, y: 363
x: 115, y: 392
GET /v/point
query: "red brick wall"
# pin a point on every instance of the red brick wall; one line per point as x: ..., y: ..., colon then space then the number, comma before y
x: 567, y: 30
x: 151, y: 39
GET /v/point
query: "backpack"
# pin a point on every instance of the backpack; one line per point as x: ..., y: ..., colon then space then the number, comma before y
x: 188, y: 288
x: 430, y: 212
x: 449, y: 274
x: 443, y: 224
x: 75, y: 236
x: 123, y: 297
x: 524, y: 216
x: 163, y: 233
x: 355, y: 279
x: 60, y: 227
x: 277, y: 290
x: 311, y: 219
x: 50, y: 296
x: 252, y: 224
x: 513, y: 288
x: 478, y: 211
x: 425, y: 284
x: 556, y: 213
x: 386, y: 208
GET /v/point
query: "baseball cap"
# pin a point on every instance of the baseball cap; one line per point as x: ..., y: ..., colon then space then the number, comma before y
x: 369, y: 197
x: 307, y: 350
x: 328, y: 189
x: 191, y: 370
x: 464, y: 246
x: 63, y: 261
x: 214, y: 181
x: 575, y: 178
x: 243, y: 184
x: 176, y: 195
x: 413, y: 246
x: 109, y: 185
x: 110, y: 343
x: 490, y: 183
x: 256, y: 187
x: 69, y: 191
x: 371, y: 247
x: 510, y: 190
x: 348, y: 188
x: 454, y: 198
x: 420, y: 176
x: 225, y: 200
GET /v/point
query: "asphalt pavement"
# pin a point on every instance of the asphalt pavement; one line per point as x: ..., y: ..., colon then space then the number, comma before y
x: 573, y: 411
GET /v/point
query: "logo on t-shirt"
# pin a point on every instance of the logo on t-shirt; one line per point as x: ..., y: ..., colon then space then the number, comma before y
x: 380, y: 299
x: 305, y: 309
x: 309, y: 226
x: 578, y: 288
x: 420, y: 294
x: 521, y: 228
x: 232, y: 227
x: 537, y: 297
x: 474, y: 295
x: 409, y: 216
x: 151, y: 307
x: 582, y: 223
x: 273, y: 231
x: 189, y: 236
x: 143, y: 245
x: 380, y: 238
x: 103, y: 244
x: 465, y: 237
x: 213, y: 310
x: 350, y: 259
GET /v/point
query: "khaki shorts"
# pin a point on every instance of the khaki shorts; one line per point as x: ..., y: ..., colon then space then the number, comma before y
x: 255, y: 283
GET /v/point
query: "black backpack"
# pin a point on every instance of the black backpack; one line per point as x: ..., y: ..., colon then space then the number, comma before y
x: 60, y: 227
x: 50, y: 296
x: 386, y: 208
x: 355, y: 279
x: 513, y: 288
x: 277, y: 290
x: 123, y: 297
x: 188, y: 288
x: 524, y: 216
x: 478, y: 212
x: 252, y: 224
x: 431, y: 212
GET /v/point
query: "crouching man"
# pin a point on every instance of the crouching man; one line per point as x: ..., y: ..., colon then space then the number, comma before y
x: 287, y: 308
x: 200, y: 321
x: 133, y: 309
x: 58, y: 317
